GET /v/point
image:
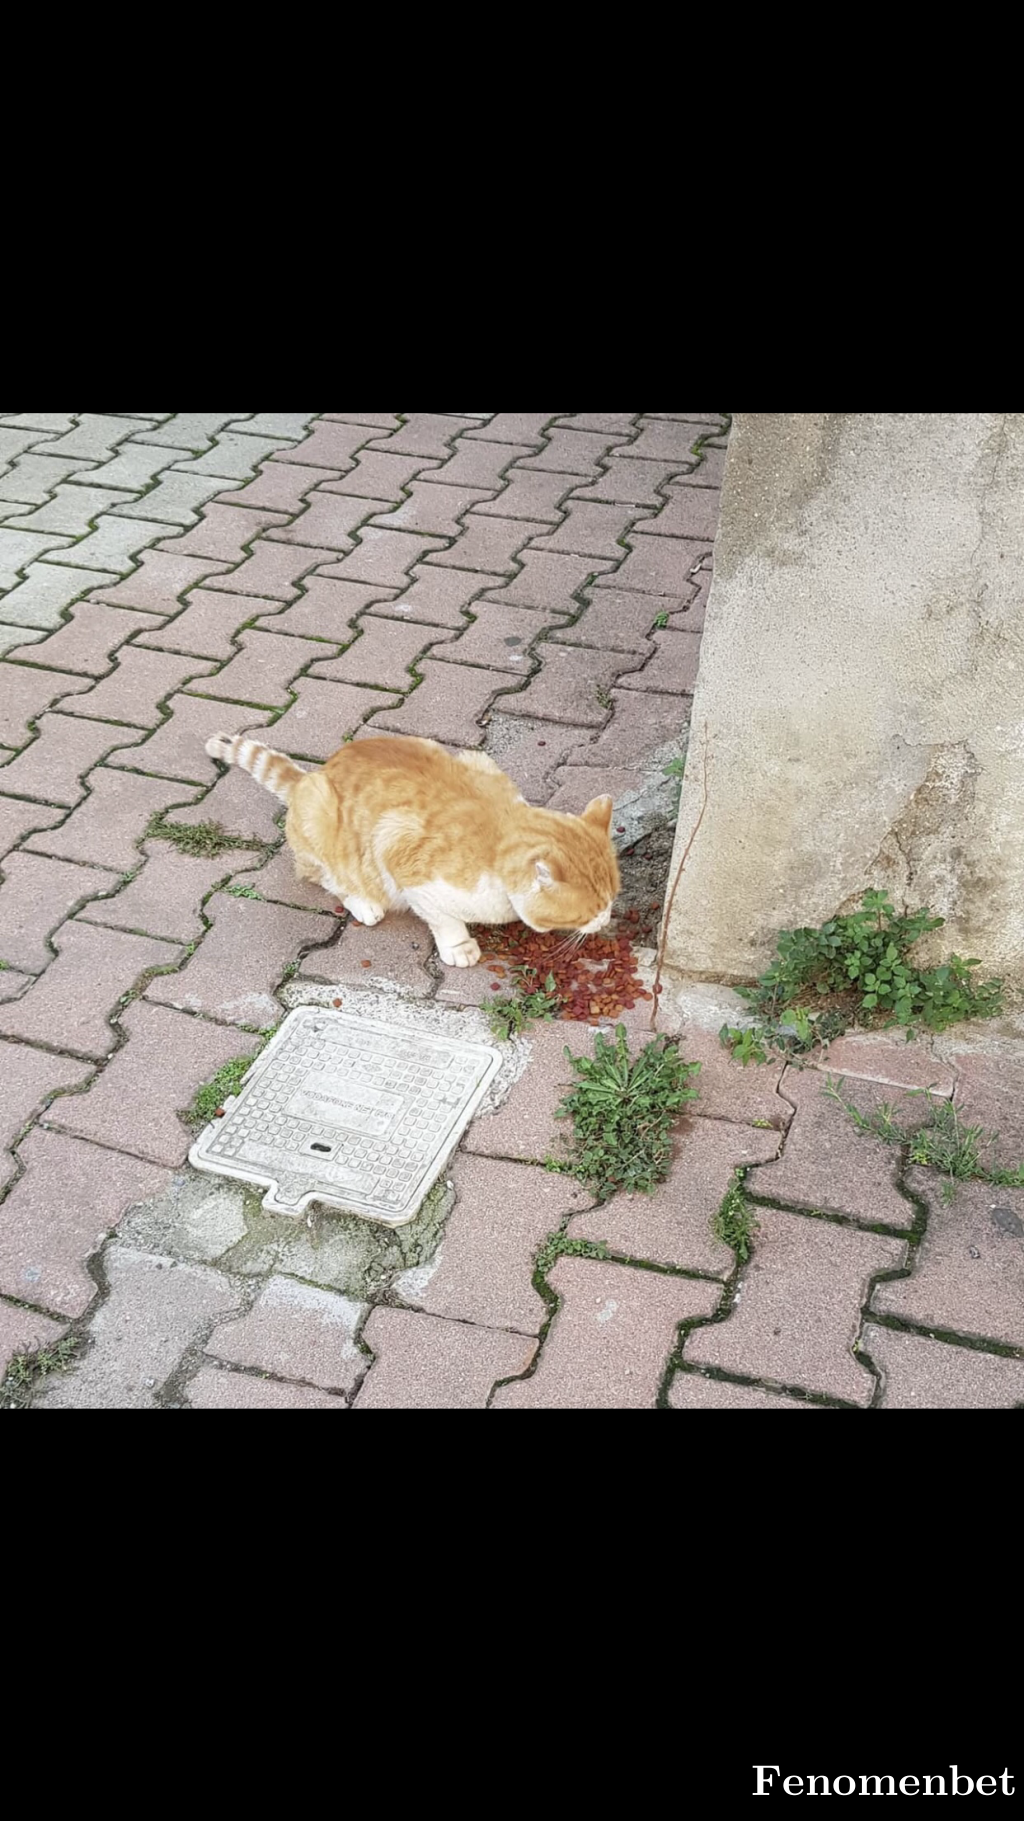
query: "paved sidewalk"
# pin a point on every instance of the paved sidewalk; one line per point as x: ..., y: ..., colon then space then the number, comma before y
x: 527, y: 583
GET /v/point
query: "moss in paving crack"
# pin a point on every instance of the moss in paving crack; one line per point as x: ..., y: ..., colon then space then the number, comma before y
x: 210, y: 1097
x: 557, y: 1246
x: 735, y: 1224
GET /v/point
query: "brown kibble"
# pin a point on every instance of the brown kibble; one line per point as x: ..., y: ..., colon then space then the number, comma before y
x: 219, y: 1114
x: 541, y: 742
x: 366, y: 964
x: 335, y: 1003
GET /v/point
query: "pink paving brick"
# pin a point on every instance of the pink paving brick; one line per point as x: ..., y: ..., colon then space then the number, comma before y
x: 424, y: 1363
x: 968, y: 1272
x: 468, y: 985
x: 578, y: 785
x: 380, y: 655
x: 160, y: 582
x: 13, y: 984
x: 630, y: 482
x: 164, y: 898
x: 395, y: 949
x: 922, y: 1374
x: 135, y: 690
x: 177, y: 748
x: 437, y: 597
x: 478, y: 464
x: 276, y: 880
x: 326, y: 610
x: 692, y: 1391
x: 549, y: 579
x: 134, y: 1104
x: 526, y: 427
x: 531, y: 751
x: 35, y: 898
x: 378, y: 420
x: 438, y: 510
x: 18, y: 819
x: 614, y: 622
x: 297, y: 1331
x: 592, y: 530
x: 378, y: 476
x: 332, y: 445
x: 730, y: 1091
x: 891, y: 1060
x: 322, y: 715
x: 446, y: 706
x: 25, y: 693
x: 240, y: 961
x: 610, y: 1342
x: 709, y: 471
x: 619, y: 423
x: 673, y: 666
x: 71, y: 1004
x: 328, y: 519
x: 501, y: 637
x: 574, y: 452
x: 524, y: 1125
x: 262, y: 670
x: 23, y: 1331
x: 30, y: 1077
x: 274, y: 570
x: 690, y: 512
x: 424, y: 433
x: 224, y: 533
x: 216, y: 1388
x: 640, y: 722
x: 695, y: 610
x: 798, y: 1314
x: 47, y: 1235
x: 672, y: 1226
x: 157, y: 1308
x: 238, y: 806
x: 572, y: 687
x: 54, y: 765
x: 383, y: 557
x: 660, y: 440
x: 990, y: 1093
x: 530, y: 496
x: 483, y: 1267
x: 488, y: 544
x: 279, y: 486
x: 659, y: 565
x: 206, y: 628
x: 86, y: 643
x: 828, y: 1164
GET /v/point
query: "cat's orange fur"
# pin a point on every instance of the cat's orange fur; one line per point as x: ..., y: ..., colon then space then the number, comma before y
x: 398, y: 823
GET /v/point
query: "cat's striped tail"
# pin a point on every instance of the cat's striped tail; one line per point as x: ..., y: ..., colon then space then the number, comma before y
x: 271, y: 769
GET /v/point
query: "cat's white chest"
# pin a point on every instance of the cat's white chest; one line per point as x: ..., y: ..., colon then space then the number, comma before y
x: 488, y: 902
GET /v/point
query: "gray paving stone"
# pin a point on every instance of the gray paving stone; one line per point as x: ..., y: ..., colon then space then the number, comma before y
x: 175, y: 499
x: 48, y: 588
x: 71, y: 511
x: 297, y: 1331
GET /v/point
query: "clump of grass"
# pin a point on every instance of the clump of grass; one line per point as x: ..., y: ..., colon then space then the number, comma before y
x: 210, y: 1097
x: 942, y: 1143
x: 199, y: 840
x: 622, y: 1111
x: 26, y: 1369
x: 736, y: 1221
x: 515, y: 1011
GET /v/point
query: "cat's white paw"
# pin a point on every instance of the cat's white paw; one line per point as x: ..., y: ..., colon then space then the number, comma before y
x: 463, y: 954
x: 364, y: 912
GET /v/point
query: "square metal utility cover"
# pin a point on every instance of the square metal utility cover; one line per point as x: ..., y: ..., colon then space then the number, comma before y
x: 341, y: 1110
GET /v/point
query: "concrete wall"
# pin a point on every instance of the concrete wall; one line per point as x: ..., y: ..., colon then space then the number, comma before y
x: 862, y: 687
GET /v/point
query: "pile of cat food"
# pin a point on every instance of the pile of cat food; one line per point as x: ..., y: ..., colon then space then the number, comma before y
x: 595, y: 978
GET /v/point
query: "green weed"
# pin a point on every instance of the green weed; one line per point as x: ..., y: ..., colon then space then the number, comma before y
x: 557, y: 1246
x: 515, y: 1011
x: 736, y: 1221
x: 622, y: 1111
x: 212, y: 1094
x: 200, y: 840
x: 942, y: 1143
x: 25, y: 1369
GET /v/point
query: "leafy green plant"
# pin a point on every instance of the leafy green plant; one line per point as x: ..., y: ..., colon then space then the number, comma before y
x: 557, y: 1246
x: 736, y: 1221
x: 660, y: 623
x: 857, y: 966
x: 622, y: 1111
x: 941, y: 1143
x: 210, y: 1097
x: 513, y: 1012
x: 200, y: 840
x: 26, y: 1368
x: 243, y: 891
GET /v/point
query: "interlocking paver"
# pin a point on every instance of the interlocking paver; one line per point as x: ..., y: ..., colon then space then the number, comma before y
x: 207, y: 626
x: 530, y: 496
x: 279, y: 486
x: 24, y: 1331
x: 12, y: 637
x: 328, y: 519
x: 224, y: 532
x: 378, y: 476
x: 667, y: 441
x: 134, y: 1103
x: 482, y: 1268
x: 990, y: 1093
x: 640, y: 722
x: 798, y: 1314
x: 610, y: 1341
x: 262, y: 669
x: 437, y: 597
x: 164, y: 898
x: 578, y: 785
x: 326, y: 610
x: 875, y: 1056
x: 572, y: 686
x: 135, y: 689
x: 500, y: 637
x: 525, y: 1126
x: 30, y: 1077
x: 446, y: 706
x: 236, y: 804
x: 574, y: 452
x: 672, y: 1226
x: 532, y: 751
x: 276, y: 880
x: 285, y: 426
x: 673, y: 668
x: 133, y: 467
x: 236, y: 455
x: 18, y: 819
x: 828, y: 1164
x: 383, y: 557
x: 690, y: 512
x: 332, y: 445
x: 70, y: 1004
x: 395, y: 949
x: 691, y: 1391
x: 613, y: 622
x: 274, y: 570
x: 299, y: 1332
x: 630, y: 482
x: 87, y: 641
x: 19, y: 549
x: 488, y: 544
x: 433, y: 508
x: 47, y: 1235
x: 620, y: 423
x: 193, y: 430
x: 479, y: 464
x: 36, y: 896
x: 217, y: 1388
x: 968, y: 1272
x: 240, y: 960
x: 922, y: 1374
x: 513, y: 426
x: 27, y: 430
x: 696, y: 609
x: 177, y: 749
x: 114, y: 544
x: 659, y: 565
x: 71, y: 511
x: 728, y: 1090
x: 155, y: 1310
x: 46, y: 590
x: 591, y: 530
x: 424, y: 433
x: 322, y: 715
x: 176, y: 499
x: 32, y: 479
x: 425, y: 1363
x: 24, y: 693
x: 13, y: 984
x: 381, y: 654
x: 380, y: 420
x: 162, y: 580
x: 94, y: 436
x: 549, y: 579
x: 708, y: 472
x: 105, y: 829
x: 53, y: 766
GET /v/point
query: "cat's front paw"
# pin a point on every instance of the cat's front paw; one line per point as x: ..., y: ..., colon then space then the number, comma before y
x: 364, y: 912
x: 463, y: 954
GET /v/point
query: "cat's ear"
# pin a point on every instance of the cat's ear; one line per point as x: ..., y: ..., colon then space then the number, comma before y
x: 547, y: 871
x: 599, y: 814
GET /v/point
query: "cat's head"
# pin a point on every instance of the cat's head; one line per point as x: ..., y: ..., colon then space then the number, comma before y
x: 571, y: 879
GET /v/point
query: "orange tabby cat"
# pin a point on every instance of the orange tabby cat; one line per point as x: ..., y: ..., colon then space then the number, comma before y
x: 394, y: 824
